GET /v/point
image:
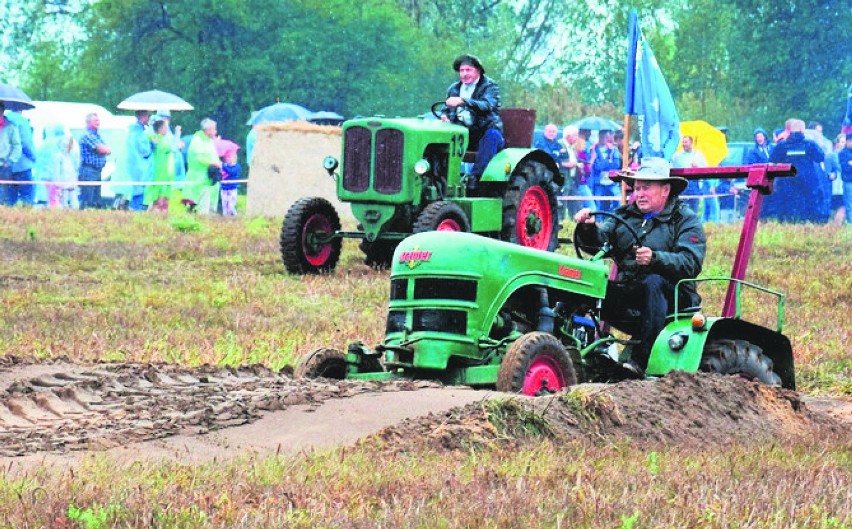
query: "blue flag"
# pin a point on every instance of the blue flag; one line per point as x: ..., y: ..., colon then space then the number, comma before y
x: 647, y: 95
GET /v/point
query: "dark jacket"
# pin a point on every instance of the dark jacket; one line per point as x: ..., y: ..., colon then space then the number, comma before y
x: 757, y: 154
x: 844, y: 157
x: 798, y: 198
x: 484, y: 105
x: 675, y: 235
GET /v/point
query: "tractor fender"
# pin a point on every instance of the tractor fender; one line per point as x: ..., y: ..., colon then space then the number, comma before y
x: 503, y: 165
x: 775, y: 346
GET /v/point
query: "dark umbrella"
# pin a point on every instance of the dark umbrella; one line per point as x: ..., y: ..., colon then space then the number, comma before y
x: 14, y: 98
x: 280, y: 112
x: 596, y: 123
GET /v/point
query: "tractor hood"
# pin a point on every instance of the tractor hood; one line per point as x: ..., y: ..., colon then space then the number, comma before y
x: 499, y: 267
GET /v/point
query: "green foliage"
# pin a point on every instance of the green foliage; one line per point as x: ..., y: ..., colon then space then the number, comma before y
x: 186, y: 223
x: 94, y: 517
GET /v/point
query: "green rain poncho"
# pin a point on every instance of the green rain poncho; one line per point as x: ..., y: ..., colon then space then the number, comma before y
x: 201, y: 155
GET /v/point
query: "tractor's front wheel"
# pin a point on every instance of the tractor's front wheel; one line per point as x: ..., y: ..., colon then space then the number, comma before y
x: 536, y: 364
x: 325, y: 363
x: 530, y: 208
x: 442, y: 216
x: 378, y: 254
x: 306, y: 243
x: 739, y: 357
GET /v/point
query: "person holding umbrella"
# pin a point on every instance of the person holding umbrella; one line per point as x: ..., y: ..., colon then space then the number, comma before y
x: 10, y: 145
x: 201, y: 193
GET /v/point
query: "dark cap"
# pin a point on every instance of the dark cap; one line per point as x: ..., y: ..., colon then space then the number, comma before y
x: 848, y: 136
x: 470, y: 60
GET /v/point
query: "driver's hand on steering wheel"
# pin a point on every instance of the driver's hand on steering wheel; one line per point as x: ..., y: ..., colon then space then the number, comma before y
x: 454, y: 101
x: 644, y: 256
x: 584, y: 216
x: 445, y: 119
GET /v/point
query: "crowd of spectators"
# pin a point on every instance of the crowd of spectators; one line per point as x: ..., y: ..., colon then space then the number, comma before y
x: 159, y: 166
x: 821, y: 191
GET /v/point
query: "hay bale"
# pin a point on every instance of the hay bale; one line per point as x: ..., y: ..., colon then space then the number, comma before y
x: 287, y: 165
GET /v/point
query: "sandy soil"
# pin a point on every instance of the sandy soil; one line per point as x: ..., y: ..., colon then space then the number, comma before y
x: 59, y: 412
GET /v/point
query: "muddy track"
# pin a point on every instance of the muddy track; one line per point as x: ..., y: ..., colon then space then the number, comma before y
x: 63, y: 407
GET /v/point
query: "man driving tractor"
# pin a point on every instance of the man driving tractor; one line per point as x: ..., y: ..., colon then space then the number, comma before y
x: 669, y: 245
x: 474, y: 102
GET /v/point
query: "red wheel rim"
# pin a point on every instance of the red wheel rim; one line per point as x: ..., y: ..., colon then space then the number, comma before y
x: 535, y: 220
x: 448, y: 225
x: 544, y: 372
x: 317, y: 225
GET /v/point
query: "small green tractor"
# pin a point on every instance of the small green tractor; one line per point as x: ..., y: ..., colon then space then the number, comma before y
x: 469, y: 310
x: 404, y: 176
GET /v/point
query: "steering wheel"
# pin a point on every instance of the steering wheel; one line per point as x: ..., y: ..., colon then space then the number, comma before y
x: 437, y: 107
x: 608, y: 247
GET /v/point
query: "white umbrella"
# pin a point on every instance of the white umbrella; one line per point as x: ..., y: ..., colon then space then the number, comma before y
x: 154, y: 100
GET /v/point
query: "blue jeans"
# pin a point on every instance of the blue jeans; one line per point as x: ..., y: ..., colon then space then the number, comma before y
x: 488, y: 145
x: 90, y: 196
x: 847, y: 200
x: 19, y: 192
x: 607, y: 190
x: 584, y: 190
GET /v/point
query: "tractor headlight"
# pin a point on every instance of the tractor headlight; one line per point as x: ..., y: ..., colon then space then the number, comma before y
x: 699, y: 322
x: 677, y: 341
x: 330, y: 164
x: 422, y: 167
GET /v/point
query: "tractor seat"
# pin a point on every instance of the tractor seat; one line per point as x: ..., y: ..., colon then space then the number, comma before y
x: 518, y: 129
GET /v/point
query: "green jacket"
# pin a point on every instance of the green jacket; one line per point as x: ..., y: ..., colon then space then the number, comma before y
x: 676, y: 236
x: 200, y: 156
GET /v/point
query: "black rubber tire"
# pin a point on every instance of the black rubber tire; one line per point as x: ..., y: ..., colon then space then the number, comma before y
x: 524, y: 353
x: 441, y: 212
x: 527, y: 175
x: 739, y: 357
x: 322, y: 363
x: 378, y: 254
x: 297, y: 251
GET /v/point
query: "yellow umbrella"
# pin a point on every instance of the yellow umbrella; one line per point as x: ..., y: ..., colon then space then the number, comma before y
x: 707, y: 139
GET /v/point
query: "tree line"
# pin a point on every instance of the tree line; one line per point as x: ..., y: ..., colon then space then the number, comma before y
x: 731, y: 62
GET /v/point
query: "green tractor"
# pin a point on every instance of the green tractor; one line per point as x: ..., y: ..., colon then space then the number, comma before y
x: 469, y: 310
x: 404, y: 176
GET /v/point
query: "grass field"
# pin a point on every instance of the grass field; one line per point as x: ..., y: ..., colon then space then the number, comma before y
x: 112, y: 286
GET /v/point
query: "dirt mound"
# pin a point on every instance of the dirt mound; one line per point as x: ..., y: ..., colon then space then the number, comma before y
x: 679, y: 408
x: 61, y: 407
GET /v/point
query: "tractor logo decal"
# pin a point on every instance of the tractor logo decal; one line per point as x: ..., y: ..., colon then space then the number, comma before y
x: 570, y: 273
x: 414, y: 258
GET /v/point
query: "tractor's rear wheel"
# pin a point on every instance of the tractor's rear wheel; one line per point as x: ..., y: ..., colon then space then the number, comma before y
x: 325, y: 363
x: 739, y: 357
x: 530, y: 208
x: 536, y: 364
x: 305, y: 247
x: 442, y: 216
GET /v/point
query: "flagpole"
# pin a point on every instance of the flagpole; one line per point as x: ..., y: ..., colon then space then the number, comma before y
x: 625, y: 151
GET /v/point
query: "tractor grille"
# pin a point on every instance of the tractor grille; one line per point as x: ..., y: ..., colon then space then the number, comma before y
x: 398, y: 288
x: 388, y: 161
x: 434, y: 288
x: 441, y: 320
x: 356, y: 159
x: 396, y: 321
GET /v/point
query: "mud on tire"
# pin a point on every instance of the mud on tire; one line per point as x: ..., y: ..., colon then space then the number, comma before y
x: 306, y: 220
x: 739, y: 357
x: 325, y: 363
x: 530, y: 208
x: 536, y: 363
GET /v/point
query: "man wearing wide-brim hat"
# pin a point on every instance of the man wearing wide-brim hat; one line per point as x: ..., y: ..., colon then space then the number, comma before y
x: 671, y: 247
x: 474, y: 101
